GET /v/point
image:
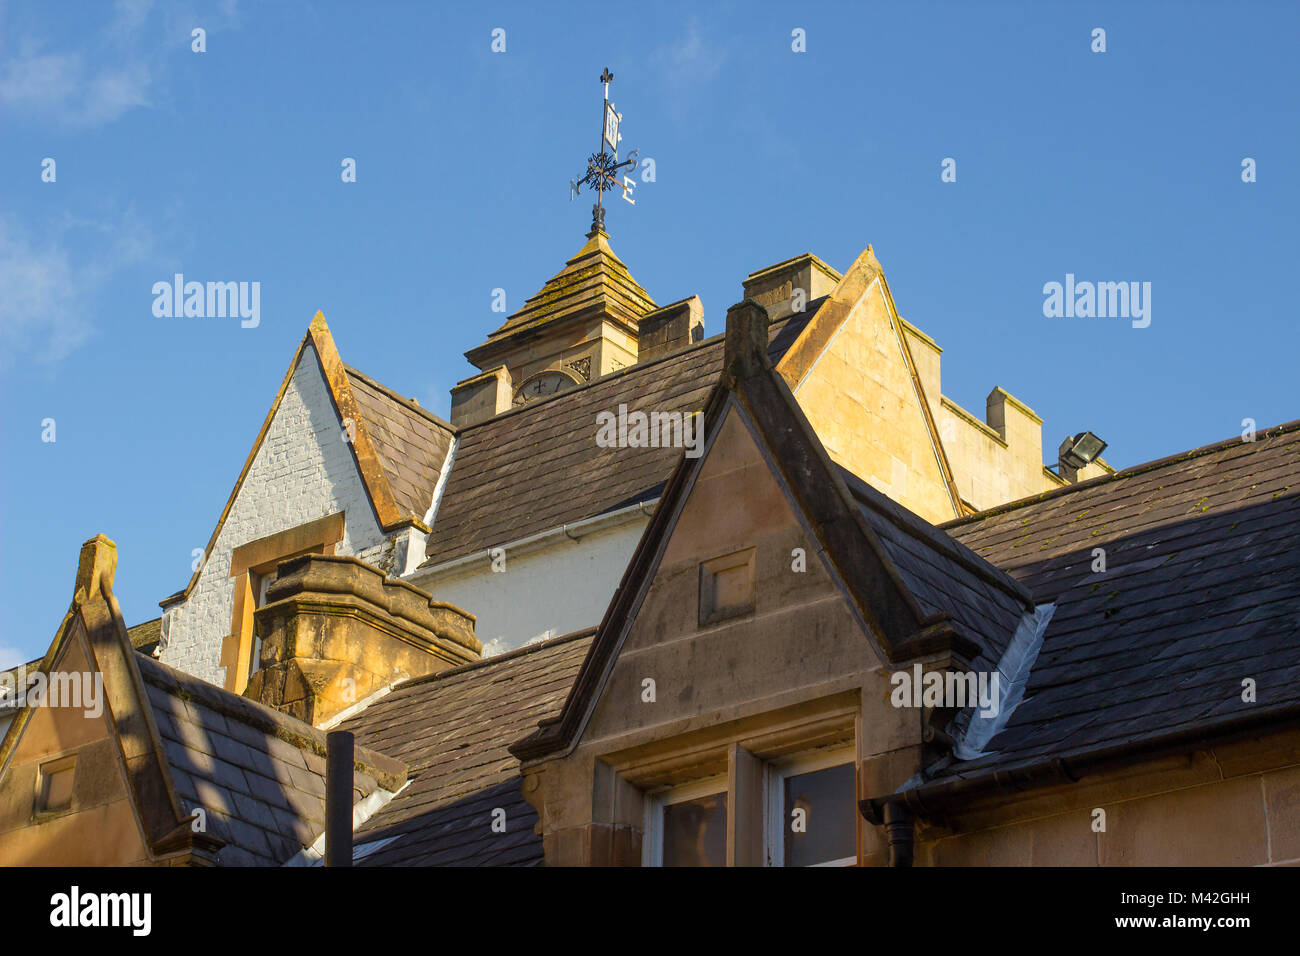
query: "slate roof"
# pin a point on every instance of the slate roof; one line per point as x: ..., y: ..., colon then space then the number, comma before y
x: 451, y: 729
x: 944, y: 575
x: 1201, y: 589
x: 258, y: 774
x: 144, y: 637
x: 411, y: 442
x: 502, y: 485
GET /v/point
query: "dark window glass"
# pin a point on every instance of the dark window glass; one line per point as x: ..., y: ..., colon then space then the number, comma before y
x: 695, y: 832
x: 824, y: 830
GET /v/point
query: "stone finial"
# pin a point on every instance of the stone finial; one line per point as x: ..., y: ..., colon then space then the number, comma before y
x: 95, y: 569
x: 746, y: 341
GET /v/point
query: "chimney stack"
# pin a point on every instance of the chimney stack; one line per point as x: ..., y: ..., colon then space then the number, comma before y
x: 746, y: 342
x: 335, y: 630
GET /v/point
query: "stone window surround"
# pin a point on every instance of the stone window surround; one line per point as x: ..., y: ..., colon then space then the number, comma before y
x: 46, y: 770
x: 655, y: 803
x: 261, y: 557
x: 736, y: 569
x: 778, y: 814
x: 740, y: 760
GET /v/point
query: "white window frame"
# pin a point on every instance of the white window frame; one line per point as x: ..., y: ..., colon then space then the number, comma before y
x: 652, y: 843
x: 774, y: 810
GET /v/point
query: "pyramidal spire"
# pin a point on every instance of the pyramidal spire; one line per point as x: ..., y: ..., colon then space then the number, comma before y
x: 594, y: 284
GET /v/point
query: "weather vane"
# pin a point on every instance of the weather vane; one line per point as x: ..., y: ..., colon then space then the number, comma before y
x: 603, y: 167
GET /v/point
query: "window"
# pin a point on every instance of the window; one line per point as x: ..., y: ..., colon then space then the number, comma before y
x: 252, y: 566
x: 812, y: 810
x: 258, y: 584
x: 687, y: 826
x: 54, y: 781
x: 774, y: 789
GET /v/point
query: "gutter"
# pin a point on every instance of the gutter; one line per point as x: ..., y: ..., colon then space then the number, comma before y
x: 933, y: 798
x: 574, y: 532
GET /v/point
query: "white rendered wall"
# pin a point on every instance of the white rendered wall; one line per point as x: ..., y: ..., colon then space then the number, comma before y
x: 542, y: 593
x: 303, y: 471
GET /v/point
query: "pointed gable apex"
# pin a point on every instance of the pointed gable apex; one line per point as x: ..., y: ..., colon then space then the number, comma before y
x: 373, y: 468
x: 94, y: 635
x: 852, y: 361
x: 753, y: 392
x: 175, y: 742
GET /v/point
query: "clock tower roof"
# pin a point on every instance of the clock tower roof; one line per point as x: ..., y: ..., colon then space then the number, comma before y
x: 595, y: 283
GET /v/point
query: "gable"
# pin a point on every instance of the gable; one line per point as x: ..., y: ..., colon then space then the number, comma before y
x: 886, y: 616
x: 165, y: 768
x: 301, y: 470
x: 793, y: 628
x: 101, y: 827
x: 853, y: 374
x: 397, y: 447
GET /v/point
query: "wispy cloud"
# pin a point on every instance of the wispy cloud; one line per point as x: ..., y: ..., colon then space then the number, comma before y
x: 62, y: 86
x: 689, y: 62
x: 47, y: 290
x: 11, y: 657
x: 95, y: 87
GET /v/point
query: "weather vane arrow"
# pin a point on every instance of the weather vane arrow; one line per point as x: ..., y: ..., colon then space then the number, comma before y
x: 604, y: 167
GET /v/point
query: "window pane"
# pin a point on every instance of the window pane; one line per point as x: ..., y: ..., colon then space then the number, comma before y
x: 825, y: 829
x: 695, y: 832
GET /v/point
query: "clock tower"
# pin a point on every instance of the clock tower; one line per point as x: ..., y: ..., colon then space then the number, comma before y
x: 582, y: 324
x: 590, y: 320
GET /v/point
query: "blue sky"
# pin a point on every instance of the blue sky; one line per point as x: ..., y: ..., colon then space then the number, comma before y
x: 225, y: 165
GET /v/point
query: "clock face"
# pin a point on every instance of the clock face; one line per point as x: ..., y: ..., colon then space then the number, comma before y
x: 541, y: 385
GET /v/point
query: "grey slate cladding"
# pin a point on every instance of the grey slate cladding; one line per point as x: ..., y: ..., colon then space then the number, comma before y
x: 410, y: 441
x: 502, y: 485
x: 452, y: 730
x: 944, y: 575
x: 225, y: 757
x: 1201, y: 590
